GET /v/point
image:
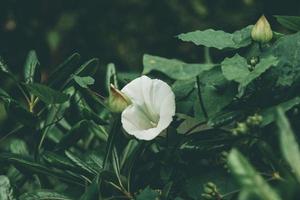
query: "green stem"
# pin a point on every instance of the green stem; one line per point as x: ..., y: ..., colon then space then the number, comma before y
x: 200, y: 98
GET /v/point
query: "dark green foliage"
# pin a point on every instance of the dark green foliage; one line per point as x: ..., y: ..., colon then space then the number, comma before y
x: 234, y: 136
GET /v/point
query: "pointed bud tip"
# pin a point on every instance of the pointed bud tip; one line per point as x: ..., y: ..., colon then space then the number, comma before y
x: 117, y: 101
x: 262, y: 32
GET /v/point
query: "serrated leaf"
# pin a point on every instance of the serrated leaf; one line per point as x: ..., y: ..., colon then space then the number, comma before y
x: 31, y: 64
x: 235, y: 68
x: 44, y: 195
x: 84, y: 82
x: 288, y: 143
x: 248, y: 177
x: 289, y: 22
x: 47, y: 94
x: 219, y: 39
x: 174, y: 68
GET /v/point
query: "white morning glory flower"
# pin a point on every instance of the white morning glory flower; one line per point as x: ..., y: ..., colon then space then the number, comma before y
x: 152, y: 108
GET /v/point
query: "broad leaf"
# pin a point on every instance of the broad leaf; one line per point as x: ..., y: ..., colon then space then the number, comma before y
x: 286, y: 49
x: 235, y: 68
x: 288, y: 143
x: 219, y: 39
x: 47, y: 94
x: 174, y: 68
x: 260, y: 68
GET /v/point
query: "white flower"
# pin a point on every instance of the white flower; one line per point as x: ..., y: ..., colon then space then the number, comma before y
x: 152, y: 108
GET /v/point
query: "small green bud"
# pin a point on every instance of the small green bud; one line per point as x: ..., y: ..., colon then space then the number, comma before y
x: 207, y: 196
x: 208, y: 190
x: 253, y: 61
x: 241, y: 128
x: 117, y: 101
x: 254, y: 120
x: 211, y: 185
x: 262, y: 31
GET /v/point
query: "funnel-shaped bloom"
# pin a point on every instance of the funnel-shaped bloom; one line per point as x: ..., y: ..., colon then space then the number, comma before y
x: 152, y: 108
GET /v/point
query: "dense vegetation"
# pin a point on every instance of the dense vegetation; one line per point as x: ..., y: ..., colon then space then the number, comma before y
x: 234, y: 135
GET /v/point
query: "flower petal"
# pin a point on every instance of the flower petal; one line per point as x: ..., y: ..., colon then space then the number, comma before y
x: 152, y: 110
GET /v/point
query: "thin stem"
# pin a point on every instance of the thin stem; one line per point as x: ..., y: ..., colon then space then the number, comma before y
x: 201, y: 99
x: 11, y: 132
x: 207, y: 57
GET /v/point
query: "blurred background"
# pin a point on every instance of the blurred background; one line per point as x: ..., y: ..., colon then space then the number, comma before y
x: 118, y: 31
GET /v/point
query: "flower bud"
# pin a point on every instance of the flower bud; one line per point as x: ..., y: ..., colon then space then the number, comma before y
x: 117, y: 100
x: 262, y: 31
x: 241, y: 128
x: 254, y: 120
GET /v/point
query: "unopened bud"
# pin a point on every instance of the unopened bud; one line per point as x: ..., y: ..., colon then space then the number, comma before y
x: 262, y: 31
x: 117, y: 100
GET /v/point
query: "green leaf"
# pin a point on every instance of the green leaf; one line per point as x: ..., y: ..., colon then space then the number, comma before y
x: 84, y: 82
x: 174, y: 68
x: 128, y: 151
x: 289, y: 22
x: 86, y: 70
x: 80, y: 163
x: 31, y: 64
x: 4, y: 95
x: 182, y: 88
x: 111, y: 76
x: 216, y: 91
x: 147, y: 194
x: 263, y: 65
x: 219, y: 39
x: 25, y: 163
x: 6, y: 192
x: 91, y: 193
x: 44, y: 195
x: 248, y: 177
x: 285, y: 49
x: 47, y: 94
x: 78, y: 131
x: 268, y: 114
x: 59, y: 76
x: 235, y: 68
x: 20, y: 114
x: 288, y: 143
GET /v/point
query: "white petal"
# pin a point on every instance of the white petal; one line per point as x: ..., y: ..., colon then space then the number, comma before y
x: 152, y: 110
